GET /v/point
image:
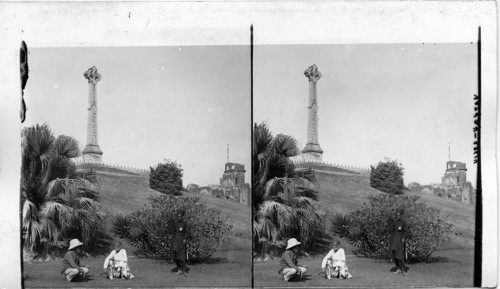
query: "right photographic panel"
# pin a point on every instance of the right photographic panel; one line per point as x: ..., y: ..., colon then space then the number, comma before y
x: 364, y: 164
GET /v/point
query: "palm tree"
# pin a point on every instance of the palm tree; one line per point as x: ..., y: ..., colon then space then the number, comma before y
x: 58, y: 203
x: 283, y: 203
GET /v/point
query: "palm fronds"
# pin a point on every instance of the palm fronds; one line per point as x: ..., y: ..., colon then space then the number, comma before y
x: 284, y: 201
x: 121, y: 226
x: 340, y: 225
x: 57, y: 204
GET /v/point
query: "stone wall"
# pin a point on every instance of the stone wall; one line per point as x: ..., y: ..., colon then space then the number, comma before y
x: 343, y: 178
x: 111, y: 168
x: 464, y: 193
x: 300, y: 163
x: 326, y: 172
x: 240, y: 193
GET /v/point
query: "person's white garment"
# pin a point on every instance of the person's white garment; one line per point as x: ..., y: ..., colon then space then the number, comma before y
x: 119, y: 259
x: 336, y: 259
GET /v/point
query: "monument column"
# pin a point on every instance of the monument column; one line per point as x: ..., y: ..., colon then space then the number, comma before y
x: 312, y: 150
x: 92, y: 153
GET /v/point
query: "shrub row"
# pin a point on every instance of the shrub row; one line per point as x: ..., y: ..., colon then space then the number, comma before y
x: 368, y: 228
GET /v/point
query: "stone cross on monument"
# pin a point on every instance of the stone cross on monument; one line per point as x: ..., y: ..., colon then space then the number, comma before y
x: 92, y: 153
x: 312, y: 150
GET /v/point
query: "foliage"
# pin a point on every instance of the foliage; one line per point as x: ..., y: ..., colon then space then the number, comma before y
x: 387, y: 177
x: 284, y: 203
x: 121, y: 226
x: 150, y: 229
x: 368, y: 228
x: 58, y: 203
x: 166, y: 178
x: 340, y: 225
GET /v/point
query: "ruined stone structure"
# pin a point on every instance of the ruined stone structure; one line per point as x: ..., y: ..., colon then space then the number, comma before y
x: 453, y: 185
x: 312, y: 151
x: 455, y: 175
x: 92, y: 153
x: 232, y: 185
x: 234, y: 174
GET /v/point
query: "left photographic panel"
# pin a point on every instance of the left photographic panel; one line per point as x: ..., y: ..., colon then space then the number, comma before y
x: 135, y: 167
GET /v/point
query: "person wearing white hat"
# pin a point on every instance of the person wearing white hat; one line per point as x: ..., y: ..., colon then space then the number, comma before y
x: 71, y: 267
x: 289, y: 265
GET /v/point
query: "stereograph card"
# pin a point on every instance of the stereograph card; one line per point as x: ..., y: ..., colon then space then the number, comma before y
x: 212, y: 144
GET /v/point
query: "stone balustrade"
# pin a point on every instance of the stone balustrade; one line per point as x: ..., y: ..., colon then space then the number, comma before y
x: 139, y: 171
x: 329, y: 166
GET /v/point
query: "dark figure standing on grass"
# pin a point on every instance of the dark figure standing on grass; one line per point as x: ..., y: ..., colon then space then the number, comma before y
x: 399, y: 231
x: 178, y: 247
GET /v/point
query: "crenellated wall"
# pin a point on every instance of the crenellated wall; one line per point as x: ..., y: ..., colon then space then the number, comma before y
x: 300, y: 163
x: 110, y: 168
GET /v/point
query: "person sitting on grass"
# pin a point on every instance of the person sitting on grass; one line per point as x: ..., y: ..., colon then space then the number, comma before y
x: 116, y: 264
x: 71, y: 267
x: 334, y: 263
x: 290, y: 269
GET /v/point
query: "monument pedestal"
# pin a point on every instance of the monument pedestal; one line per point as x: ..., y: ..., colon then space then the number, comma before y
x: 92, y: 154
x: 312, y: 152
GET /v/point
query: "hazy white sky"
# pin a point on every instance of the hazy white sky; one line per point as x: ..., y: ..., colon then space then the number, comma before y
x: 402, y: 101
x: 154, y: 103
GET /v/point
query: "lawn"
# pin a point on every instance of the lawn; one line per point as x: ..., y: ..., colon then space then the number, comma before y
x: 230, y: 265
x: 452, y: 268
x: 452, y: 264
x: 154, y: 273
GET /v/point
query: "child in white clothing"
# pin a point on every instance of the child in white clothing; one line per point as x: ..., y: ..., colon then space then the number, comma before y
x: 116, y: 264
x: 334, y: 263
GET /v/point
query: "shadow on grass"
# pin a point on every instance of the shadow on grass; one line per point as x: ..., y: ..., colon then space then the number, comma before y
x: 210, y: 260
x: 87, y: 278
x: 304, y: 278
x: 394, y: 269
x: 439, y: 259
x: 176, y: 269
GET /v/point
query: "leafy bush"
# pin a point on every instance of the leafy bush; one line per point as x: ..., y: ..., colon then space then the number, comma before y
x: 150, y: 229
x: 368, y: 228
x: 340, y: 225
x: 388, y: 177
x: 166, y: 178
x: 121, y: 226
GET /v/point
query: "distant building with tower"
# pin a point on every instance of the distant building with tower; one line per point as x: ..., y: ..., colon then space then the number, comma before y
x: 454, y: 184
x: 455, y: 175
x: 234, y: 174
x: 231, y: 187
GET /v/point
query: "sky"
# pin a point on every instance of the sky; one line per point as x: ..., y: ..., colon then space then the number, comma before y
x: 406, y: 102
x: 184, y: 104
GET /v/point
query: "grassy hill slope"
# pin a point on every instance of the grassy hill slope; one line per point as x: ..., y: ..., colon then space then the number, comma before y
x: 124, y: 194
x: 346, y: 197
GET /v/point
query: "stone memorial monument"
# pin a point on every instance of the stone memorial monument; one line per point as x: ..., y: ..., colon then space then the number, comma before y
x: 312, y: 150
x: 92, y: 153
